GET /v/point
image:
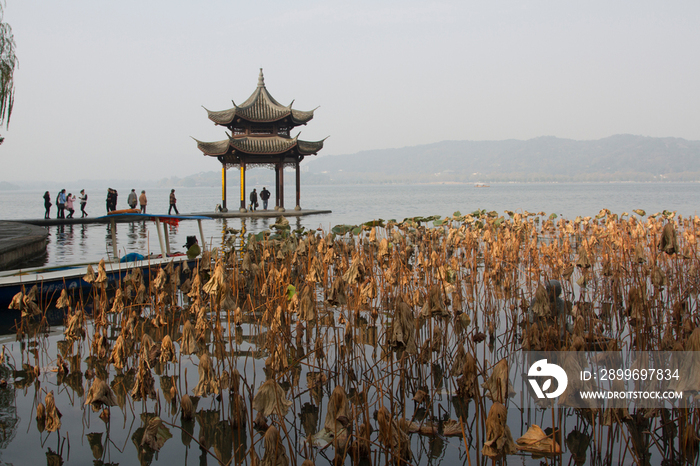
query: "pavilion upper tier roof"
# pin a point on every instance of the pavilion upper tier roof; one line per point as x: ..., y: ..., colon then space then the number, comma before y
x: 260, y: 107
x: 265, y: 145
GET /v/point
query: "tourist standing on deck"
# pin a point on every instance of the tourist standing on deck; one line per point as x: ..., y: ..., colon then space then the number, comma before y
x: 173, y: 201
x: 47, y: 204
x: 69, y: 205
x: 253, y: 200
x: 131, y: 200
x: 111, y: 200
x: 61, y: 204
x: 143, y: 201
x: 83, y: 202
x: 264, y: 195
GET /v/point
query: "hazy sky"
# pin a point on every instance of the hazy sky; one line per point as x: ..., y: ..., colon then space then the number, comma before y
x: 116, y: 89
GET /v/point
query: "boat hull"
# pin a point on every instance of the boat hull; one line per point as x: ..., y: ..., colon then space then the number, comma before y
x: 51, y: 281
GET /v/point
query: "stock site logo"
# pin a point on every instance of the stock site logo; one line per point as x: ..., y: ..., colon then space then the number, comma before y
x: 541, y: 369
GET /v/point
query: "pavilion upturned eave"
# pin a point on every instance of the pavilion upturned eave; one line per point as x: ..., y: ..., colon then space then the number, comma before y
x: 214, y: 149
x: 259, y: 115
x: 259, y: 146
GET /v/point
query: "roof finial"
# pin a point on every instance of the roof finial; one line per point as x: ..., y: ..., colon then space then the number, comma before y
x: 261, y: 79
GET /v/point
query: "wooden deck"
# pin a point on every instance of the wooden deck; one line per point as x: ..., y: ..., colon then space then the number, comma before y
x: 126, y: 218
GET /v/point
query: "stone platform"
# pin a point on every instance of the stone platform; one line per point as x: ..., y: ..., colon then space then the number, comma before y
x: 262, y: 213
x: 20, y: 242
x: 126, y: 219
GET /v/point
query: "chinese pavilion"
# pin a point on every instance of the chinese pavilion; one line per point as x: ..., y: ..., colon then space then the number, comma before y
x: 259, y: 137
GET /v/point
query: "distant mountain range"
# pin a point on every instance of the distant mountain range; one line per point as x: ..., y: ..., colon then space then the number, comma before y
x: 616, y: 158
x: 6, y: 186
x: 549, y: 159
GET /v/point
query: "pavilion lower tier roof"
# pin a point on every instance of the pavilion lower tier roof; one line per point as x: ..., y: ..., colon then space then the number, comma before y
x: 260, y: 113
x: 265, y: 148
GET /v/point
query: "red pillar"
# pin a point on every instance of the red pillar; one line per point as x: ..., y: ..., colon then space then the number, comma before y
x: 281, y: 187
x: 223, y: 188
x: 242, y: 209
x: 298, y: 206
x: 277, y: 186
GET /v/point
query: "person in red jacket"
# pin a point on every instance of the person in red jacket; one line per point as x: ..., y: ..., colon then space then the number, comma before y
x: 173, y: 201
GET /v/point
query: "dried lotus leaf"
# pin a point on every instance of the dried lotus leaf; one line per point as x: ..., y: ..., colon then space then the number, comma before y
x: 392, y: 436
x: 498, y: 384
x: 536, y: 441
x: 101, y: 272
x: 90, y: 275
x: 100, y: 395
x: 53, y: 415
x: 207, y: 383
x: 167, y: 350
x: 188, y: 344
x: 669, y: 240
x: 337, y: 406
x: 499, y: 440
x: 156, y: 434
x: 271, y: 399
x: 275, y: 453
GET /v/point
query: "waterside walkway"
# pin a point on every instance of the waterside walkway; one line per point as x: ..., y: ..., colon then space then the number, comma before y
x: 126, y: 218
x: 20, y: 242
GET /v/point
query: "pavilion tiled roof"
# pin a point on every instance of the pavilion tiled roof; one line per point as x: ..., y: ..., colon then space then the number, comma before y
x: 260, y: 107
x: 263, y: 145
x: 259, y: 145
x: 213, y: 148
x: 309, y: 147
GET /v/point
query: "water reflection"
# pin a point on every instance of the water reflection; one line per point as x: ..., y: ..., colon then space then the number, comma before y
x: 578, y: 442
x: 8, y: 410
x: 95, y: 441
x: 172, y: 234
x: 110, y: 228
x: 70, y: 244
x: 132, y: 236
x: 53, y: 458
x: 83, y: 236
x: 63, y: 241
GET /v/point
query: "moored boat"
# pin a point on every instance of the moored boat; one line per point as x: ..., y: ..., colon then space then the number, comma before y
x: 50, y: 281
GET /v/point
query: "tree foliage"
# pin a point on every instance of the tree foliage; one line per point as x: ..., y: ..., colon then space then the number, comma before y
x: 8, y: 61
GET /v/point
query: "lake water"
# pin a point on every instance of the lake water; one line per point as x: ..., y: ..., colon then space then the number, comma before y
x: 85, y: 439
x: 350, y: 204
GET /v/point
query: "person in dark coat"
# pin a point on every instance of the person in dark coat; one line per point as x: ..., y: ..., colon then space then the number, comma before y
x: 265, y: 196
x: 111, y: 200
x: 253, y: 200
x: 132, y: 200
x: 47, y: 204
x: 61, y: 204
x: 83, y: 202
